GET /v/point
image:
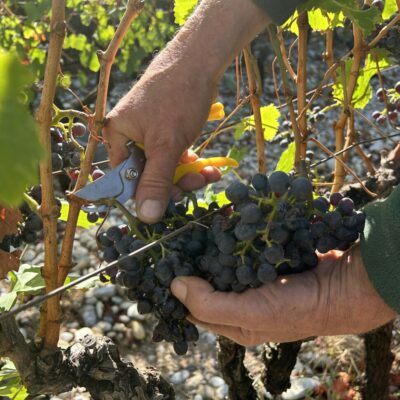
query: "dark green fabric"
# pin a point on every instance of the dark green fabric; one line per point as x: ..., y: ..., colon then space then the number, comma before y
x: 380, y: 247
x: 279, y: 10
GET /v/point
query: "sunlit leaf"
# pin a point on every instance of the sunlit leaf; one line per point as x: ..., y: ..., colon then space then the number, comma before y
x: 286, y: 161
x: 182, y: 10
x: 18, y: 133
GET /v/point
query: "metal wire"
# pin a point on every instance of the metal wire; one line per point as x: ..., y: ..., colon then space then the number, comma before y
x: 41, y: 299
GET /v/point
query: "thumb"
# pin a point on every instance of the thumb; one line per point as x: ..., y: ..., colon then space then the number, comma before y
x: 154, y: 189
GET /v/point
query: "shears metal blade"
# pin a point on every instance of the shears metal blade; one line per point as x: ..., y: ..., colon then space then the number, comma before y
x: 119, y: 184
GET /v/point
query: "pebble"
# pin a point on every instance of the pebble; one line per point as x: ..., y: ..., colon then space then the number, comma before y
x: 118, y: 327
x: 133, y: 313
x: 99, y: 309
x: 198, y: 397
x: 105, y: 292
x: 216, y: 381
x: 115, y: 309
x: 124, y: 319
x: 38, y: 259
x: 81, y: 333
x: 210, y: 338
x: 67, y: 336
x: 194, y: 381
x: 91, y: 300
x: 89, y: 315
x: 222, y: 391
x: 80, y: 253
x: 28, y: 256
x: 82, y: 264
x: 300, y: 388
x: 179, y: 377
x: 138, y: 331
x: 117, y: 300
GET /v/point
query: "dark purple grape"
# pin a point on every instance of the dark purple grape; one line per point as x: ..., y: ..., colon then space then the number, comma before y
x: 279, y: 234
x: 266, y: 273
x: 333, y: 219
x: 92, y: 217
x: 78, y: 129
x: 123, y: 245
x: 245, y: 232
x: 326, y: 244
x: 260, y: 183
x: 335, y: 198
x: 181, y: 348
x: 321, y: 204
x: 250, y: 214
x: 114, y: 233
x: 237, y: 192
x: 104, y: 240
x: 245, y: 274
x: 318, y: 229
x: 301, y: 188
x: 56, y: 135
x: 110, y: 254
x: 279, y: 182
x: 144, y: 306
x: 274, y: 254
x: 190, y: 332
x: 346, y: 206
x: 226, y: 243
x: 33, y: 223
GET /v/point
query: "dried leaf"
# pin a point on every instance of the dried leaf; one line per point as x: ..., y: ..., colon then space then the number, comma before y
x: 9, y: 262
x: 9, y: 218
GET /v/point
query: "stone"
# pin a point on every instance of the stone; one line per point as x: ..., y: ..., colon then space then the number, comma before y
x: 89, y: 315
x: 198, y: 397
x: 222, y: 391
x: 67, y: 336
x: 99, y: 309
x: 104, y: 326
x: 300, y: 388
x: 138, y: 331
x: 81, y: 333
x: 118, y: 327
x: 117, y: 300
x: 179, y: 377
x: 124, y: 319
x: 194, y: 381
x: 216, y: 381
x: 133, y: 313
x: 29, y: 255
x: 104, y: 292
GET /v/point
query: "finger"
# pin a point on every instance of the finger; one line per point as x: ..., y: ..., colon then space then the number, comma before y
x: 211, y: 306
x: 188, y: 156
x: 154, y: 189
x: 246, y: 337
x: 115, y: 144
x: 212, y: 174
x: 191, y: 182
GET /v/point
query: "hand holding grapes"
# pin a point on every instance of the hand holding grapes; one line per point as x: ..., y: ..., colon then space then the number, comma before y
x: 335, y: 298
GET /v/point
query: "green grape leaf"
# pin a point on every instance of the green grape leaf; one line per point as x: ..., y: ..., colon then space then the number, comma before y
x: 237, y: 154
x: 20, y: 150
x: 182, y: 10
x: 365, y: 19
x: 286, y: 161
x: 270, y: 122
x: 389, y: 9
x: 75, y: 41
x: 10, y: 382
x: 82, y: 218
x: 88, y: 284
x: 220, y: 197
x: 321, y: 21
x: 363, y: 91
x: 27, y: 280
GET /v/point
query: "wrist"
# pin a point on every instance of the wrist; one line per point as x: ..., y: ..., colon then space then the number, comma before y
x: 212, y: 37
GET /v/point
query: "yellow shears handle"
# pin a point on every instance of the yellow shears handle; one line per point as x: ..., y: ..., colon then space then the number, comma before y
x: 196, y: 166
x: 216, y: 112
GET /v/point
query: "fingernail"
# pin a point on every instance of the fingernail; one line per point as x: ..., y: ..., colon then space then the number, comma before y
x: 151, y: 210
x: 179, y: 289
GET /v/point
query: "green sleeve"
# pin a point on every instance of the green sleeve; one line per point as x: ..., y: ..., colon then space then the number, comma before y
x: 380, y: 247
x: 279, y: 10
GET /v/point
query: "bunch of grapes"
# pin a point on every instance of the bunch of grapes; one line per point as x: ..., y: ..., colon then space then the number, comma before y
x: 272, y: 227
x: 392, y: 110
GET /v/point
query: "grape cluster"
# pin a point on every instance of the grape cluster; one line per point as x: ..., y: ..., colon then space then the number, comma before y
x: 390, y: 41
x: 29, y: 229
x: 272, y: 227
x: 392, y: 109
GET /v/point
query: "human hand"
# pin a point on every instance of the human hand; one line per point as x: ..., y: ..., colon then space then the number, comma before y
x: 167, y: 108
x: 333, y: 299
